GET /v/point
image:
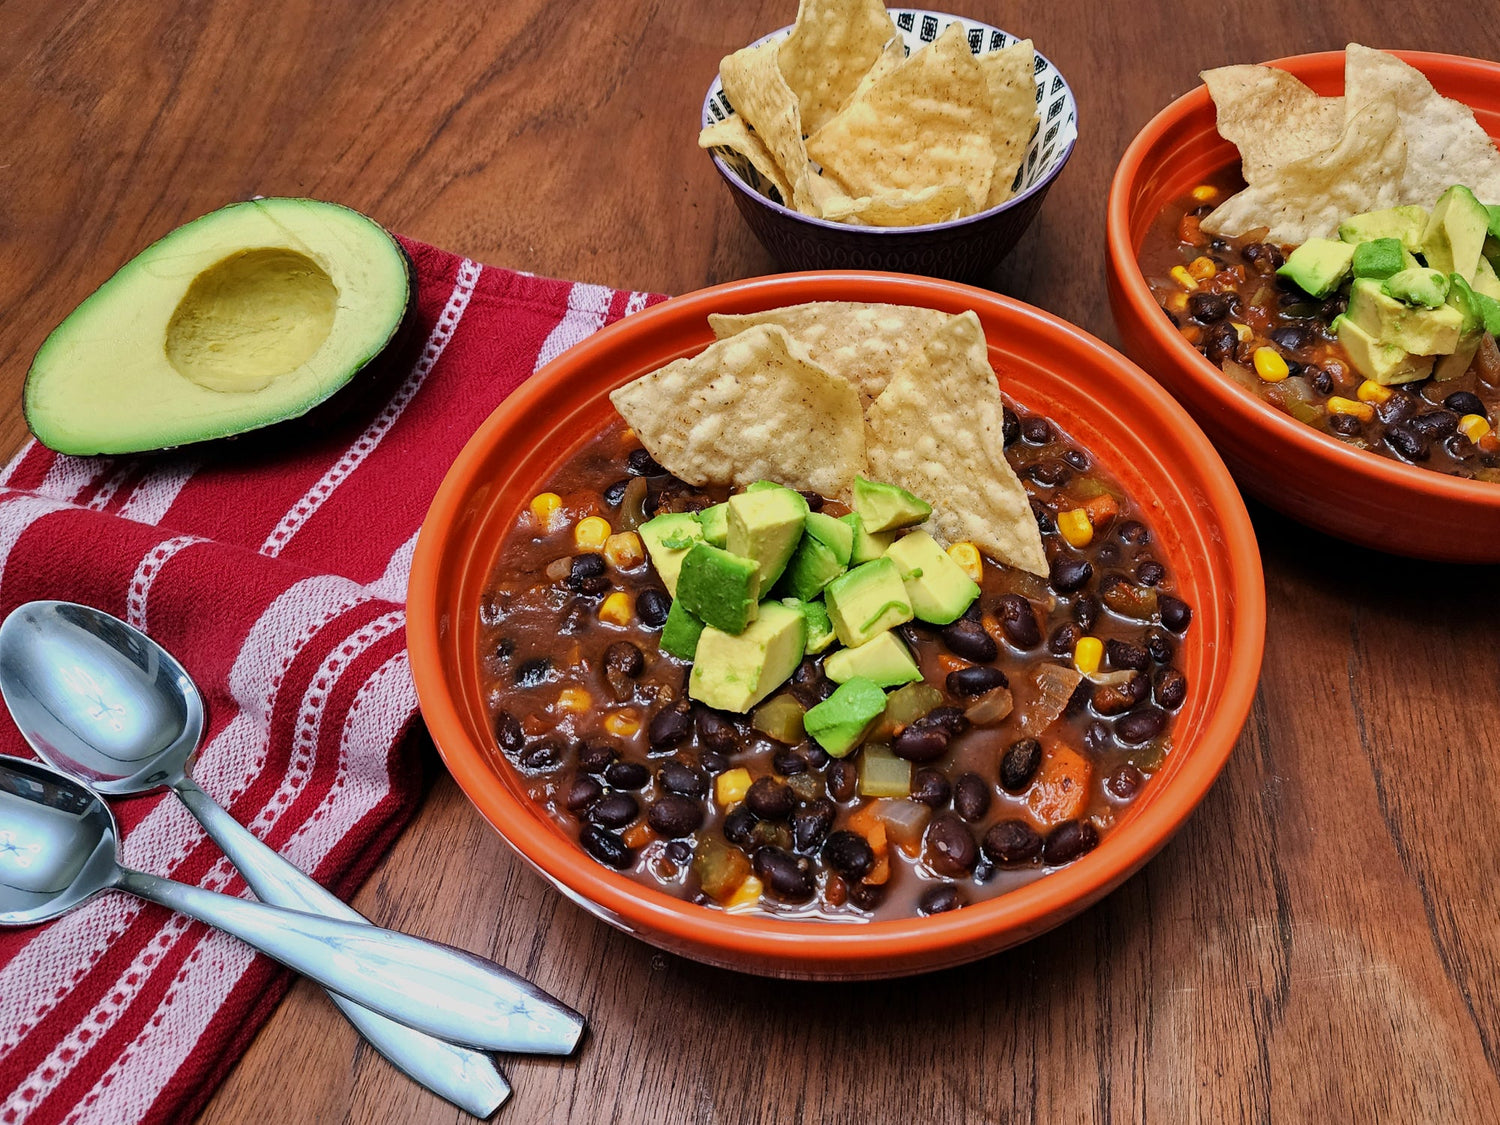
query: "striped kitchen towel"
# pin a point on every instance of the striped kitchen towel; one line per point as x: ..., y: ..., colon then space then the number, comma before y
x: 278, y: 579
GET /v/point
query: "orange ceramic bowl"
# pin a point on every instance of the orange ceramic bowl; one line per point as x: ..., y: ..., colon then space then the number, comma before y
x: 1314, y: 478
x: 1104, y: 401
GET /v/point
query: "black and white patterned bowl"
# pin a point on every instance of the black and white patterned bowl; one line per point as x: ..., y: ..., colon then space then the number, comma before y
x: 965, y: 249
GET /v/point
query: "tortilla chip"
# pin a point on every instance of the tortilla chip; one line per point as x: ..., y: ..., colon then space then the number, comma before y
x: 1445, y: 145
x: 752, y: 407
x: 892, y: 55
x: 1306, y: 198
x: 936, y: 204
x: 863, y: 343
x: 1272, y: 117
x: 833, y: 43
x: 759, y: 94
x: 937, y: 430
x: 1010, y: 73
x: 924, y: 124
x: 733, y: 134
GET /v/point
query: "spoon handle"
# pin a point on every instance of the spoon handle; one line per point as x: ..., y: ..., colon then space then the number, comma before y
x: 466, y: 1077
x: 423, y: 984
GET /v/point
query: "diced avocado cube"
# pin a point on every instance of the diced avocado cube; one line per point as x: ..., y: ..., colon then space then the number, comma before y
x: 765, y: 524
x: 680, y: 632
x: 1405, y: 223
x: 820, y: 632
x: 1491, y: 248
x: 885, y: 507
x: 1477, y: 308
x: 718, y: 587
x: 1485, y: 281
x: 1420, y: 286
x: 869, y: 599
x: 1454, y: 236
x: 762, y: 486
x: 668, y: 538
x: 715, y: 523
x: 867, y: 546
x: 833, y: 533
x: 840, y: 721
x: 1419, y: 330
x: 1384, y: 363
x: 735, y: 672
x: 813, y: 566
x: 1318, y: 266
x: 1379, y: 259
x: 937, y: 586
x: 883, y: 659
x: 1453, y: 365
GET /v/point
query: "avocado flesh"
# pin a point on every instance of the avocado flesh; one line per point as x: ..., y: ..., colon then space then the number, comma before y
x: 248, y: 316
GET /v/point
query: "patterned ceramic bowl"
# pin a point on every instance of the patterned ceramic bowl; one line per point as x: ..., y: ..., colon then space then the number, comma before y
x: 964, y: 249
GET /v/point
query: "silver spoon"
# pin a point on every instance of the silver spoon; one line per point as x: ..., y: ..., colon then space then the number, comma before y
x: 104, y: 702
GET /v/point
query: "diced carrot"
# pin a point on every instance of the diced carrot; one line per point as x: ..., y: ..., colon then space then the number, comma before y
x: 637, y: 835
x: 991, y: 625
x: 1188, y: 230
x: 950, y: 663
x: 1101, y: 509
x: 881, y: 872
x: 1061, y: 789
x: 863, y: 820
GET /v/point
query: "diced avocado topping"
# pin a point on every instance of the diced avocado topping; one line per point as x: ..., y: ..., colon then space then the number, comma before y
x: 840, y: 721
x: 1425, y: 331
x: 1379, y: 259
x: 718, y: 587
x: 1384, y: 363
x: 1476, y: 307
x: 1419, y: 286
x: 734, y: 672
x: 667, y: 539
x: 834, y: 534
x: 867, y: 546
x: 885, y: 507
x: 765, y: 524
x: 1485, y: 281
x: 1318, y: 266
x: 820, y: 632
x: 1455, y: 233
x: 813, y: 566
x: 1406, y: 223
x: 680, y: 632
x: 715, y: 523
x: 868, y: 600
x: 884, y: 660
x: 937, y: 586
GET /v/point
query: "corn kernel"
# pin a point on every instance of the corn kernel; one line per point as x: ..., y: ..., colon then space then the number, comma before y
x: 545, y: 508
x: 1177, y: 302
x: 731, y: 786
x: 1372, y: 392
x: 1087, y: 653
x: 1338, y: 404
x: 622, y: 724
x: 573, y: 699
x: 747, y: 897
x: 1076, y: 527
x: 1183, y: 278
x: 623, y: 550
x: 617, y: 609
x: 1242, y: 330
x: 591, y: 533
x: 1202, y: 267
x: 1270, y: 366
x: 1473, y: 427
x: 1204, y: 192
x: 966, y: 555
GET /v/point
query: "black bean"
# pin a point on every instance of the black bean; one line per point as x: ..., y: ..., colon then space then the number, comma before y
x: 1206, y: 308
x: 1171, y: 688
x: 1069, y: 840
x: 679, y: 777
x: 1050, y: 473
x: 584, y: 567
x: 1086, y: 611
x: 642, y: 464
x: 544, y: 754
x: 788, y: 763
x: 614, y: 810
x: 971, y: 796
x: 625, y: 658
x: 1176, y: 614
x: 1064, y: 638
x: 843, y: 780
x: 1095, y: 736
x: 716, y: 732
x: 921, y: 740
x: 1435, y: 425
x: 534, y: 672
x: 1115, y: 699
x: 1407, y: 442
x: 811, y: 822
x: 866, y: 896
x: 968, y: 639
x: 739, y: 823
x: 1125, y: 782
x: 652, y: 608
x: 951, y: 719
x: 1159, y: 645
x: 975, y: 680
x: 614, y: 493
x: 1220, y: 343
x: 584, y: 791
x: 1466, y: 402
x: 930, y: 787
x: 940, y: 899
x: 713, y: 761
x: 984, y: 871
x: 669, y: 726
x: 849, y: 854
x: 1044, y: 521
x: 672, y: 816
x: 950, y: 848
x: 1124, y: 654
x: 508, y: 732
x: 1069, y: 573
x: 1010, y: 427
x: 1150, y: 572
x: 1018, y: 620
x: 1135, y: 532
x: 786, y: 876
x: 1036, y: 429
x: 1020, y: 763
x: 815, y: 756
x: 770, y: 799
x: 1293, y: 337
x: 1141, y: 726
x: 595, y: 757
x: 606, y: 847
x: 1400, y: 407
x: 1322, y: 382
x: 1012, y: 842
x: 1264, y: 256
x: 1345, y: 424
x: 627, y: 775
x: 679, y: 851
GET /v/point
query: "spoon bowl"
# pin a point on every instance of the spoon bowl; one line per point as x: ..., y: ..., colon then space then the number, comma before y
x: 57, y: 844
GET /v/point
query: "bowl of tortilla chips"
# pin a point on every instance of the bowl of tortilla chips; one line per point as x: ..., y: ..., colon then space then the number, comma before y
x: 731, y: 416
x: 906, y: 140
x: 1315, y: 138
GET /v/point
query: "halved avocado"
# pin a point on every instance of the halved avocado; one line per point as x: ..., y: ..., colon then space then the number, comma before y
x: 249, y: 316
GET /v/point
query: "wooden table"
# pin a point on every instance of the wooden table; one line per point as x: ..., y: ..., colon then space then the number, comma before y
x: 1321, y: 941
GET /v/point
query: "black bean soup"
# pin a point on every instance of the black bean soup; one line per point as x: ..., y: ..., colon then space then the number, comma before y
x: 1270, y: 337
x: 1018, y: 762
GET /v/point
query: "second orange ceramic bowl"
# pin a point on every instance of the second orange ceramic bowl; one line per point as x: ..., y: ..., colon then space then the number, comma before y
x: 1101, y: 399
x: 1311, y: 476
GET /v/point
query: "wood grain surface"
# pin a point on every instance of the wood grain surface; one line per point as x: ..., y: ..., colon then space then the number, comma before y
x: 1319, y: 943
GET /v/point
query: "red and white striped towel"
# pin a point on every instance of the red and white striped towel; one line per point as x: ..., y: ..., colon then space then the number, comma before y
x: 279, y: 583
